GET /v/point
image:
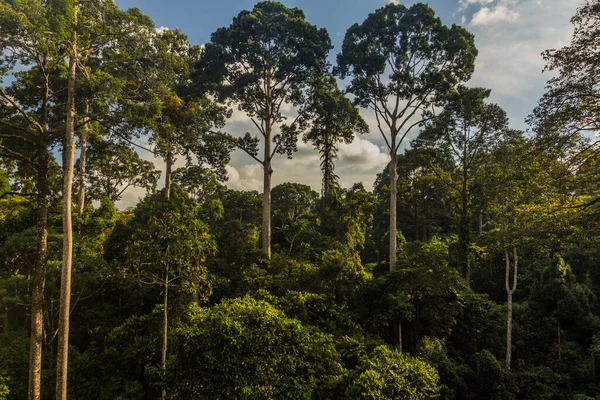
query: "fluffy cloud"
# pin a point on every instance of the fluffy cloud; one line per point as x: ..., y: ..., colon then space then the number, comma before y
x: 463, y: 4
x: 245, y: 177
x: 499, y: 13
x: 362, y: 153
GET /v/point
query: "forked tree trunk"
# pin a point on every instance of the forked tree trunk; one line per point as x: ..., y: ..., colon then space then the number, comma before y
x: 38, y: 277
x: 510, y: 290
x: 82, y: 160
x: 67, y: 256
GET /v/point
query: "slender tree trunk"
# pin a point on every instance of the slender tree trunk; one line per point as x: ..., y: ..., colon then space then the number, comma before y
x: 38, y: 277
x: 393, y: 197
x: 163, y: 358
x: 399, y: 325
x: 480, y: 225
x: 82, y: 160
x: 165, y: 338
x: 465, y: 229
x: 327, y: 167
x: 266, y: 206
x: 168, y: 174
x: 67, y: 256
x: 510, y: 290
x: 326, y: 172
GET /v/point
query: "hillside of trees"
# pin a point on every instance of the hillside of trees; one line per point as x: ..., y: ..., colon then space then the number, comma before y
x: 470, y: 271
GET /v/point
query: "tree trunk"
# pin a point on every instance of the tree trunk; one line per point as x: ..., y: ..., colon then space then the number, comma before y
x: 559, y: 344
x: 393, y: 197
x: 67, y: 256
x: 38, y: 277
x: 399, y: 325
x: 464, y: 229
x: 327, y: 168
x: 168, y: 174
x: 266, y: 209
x: 82, y: 160
x: 163, y: 358
x: 266, y: 205
x: 510, y: 290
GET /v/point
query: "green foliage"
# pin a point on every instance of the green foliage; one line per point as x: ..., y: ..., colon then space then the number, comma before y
x: 388, y: 374
x: 247, y: 349
x: 113, y: 168
x: 488, y: 379
x: 165, y: 241
x: 14, y: 345
x: 267, y: 56
x: 333, y: 120
x: 294, y: 224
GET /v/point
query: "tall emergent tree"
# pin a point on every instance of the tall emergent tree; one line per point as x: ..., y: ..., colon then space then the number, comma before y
x: 333, y: 120
x: 262, y: 63
x: 402, y: 62
x: 69, y: 10
x: 464, y: 130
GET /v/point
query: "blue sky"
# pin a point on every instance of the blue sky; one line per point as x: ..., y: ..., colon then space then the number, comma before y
x: 510, y: 35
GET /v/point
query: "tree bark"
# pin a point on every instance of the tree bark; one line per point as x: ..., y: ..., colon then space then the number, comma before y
x: 266, y: 209
x: 38, y: 277
x: 510, y: 290
x: 82, y: 160
x: 165, y: 338
x: 559, y: 344
x: 266, y: 205
x: 168, y: 174
x: 399, y: 325
x: 67, y: 256
x: 326, y: 171
x: 464, y: 229
x: 163, y: 358
x: 393, y: 197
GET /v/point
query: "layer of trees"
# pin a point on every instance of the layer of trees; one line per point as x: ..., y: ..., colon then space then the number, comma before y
x: 469, y: 271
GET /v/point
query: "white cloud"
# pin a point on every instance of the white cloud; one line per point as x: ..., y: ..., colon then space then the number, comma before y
x: 463, y: 4
x: 162, y: 29
x: 363, y: 153
x: 246, y: 177
x: 500, y: 13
